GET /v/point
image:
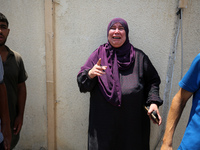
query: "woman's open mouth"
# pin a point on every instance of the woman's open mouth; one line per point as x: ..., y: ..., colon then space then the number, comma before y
x: 116, y: 37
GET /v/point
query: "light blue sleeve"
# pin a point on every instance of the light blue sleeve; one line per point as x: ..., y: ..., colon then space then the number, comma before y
x: 191, y: 80
x: 1, y: 71
x: 1, y: 135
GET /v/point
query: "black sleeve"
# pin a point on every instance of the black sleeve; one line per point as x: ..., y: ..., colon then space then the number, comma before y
x: 85, y: 83
x: 152, y: 82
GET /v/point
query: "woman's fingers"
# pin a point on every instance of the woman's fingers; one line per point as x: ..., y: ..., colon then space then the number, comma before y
x: 97, y: 70
x: 99, y: 62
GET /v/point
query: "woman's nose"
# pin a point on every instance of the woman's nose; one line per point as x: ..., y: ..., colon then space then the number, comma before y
x: 117, y: 30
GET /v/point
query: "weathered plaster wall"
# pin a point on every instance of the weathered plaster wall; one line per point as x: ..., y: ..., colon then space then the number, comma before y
x: 80, y: 27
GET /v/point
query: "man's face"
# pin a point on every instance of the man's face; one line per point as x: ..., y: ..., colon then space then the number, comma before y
x: 4, y: 31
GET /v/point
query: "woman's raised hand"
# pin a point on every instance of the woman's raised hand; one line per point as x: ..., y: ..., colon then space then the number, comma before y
x: 97, y: 70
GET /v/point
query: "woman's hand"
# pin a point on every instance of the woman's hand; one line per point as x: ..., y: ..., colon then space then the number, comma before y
x: 97, y: 70
x: 154, y: 107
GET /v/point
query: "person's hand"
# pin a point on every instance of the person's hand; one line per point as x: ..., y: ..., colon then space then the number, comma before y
x: 154, y: 107
x: 6, y: 131
x: 166, y: 146
x: 97, y: 70
x: 18, y: 124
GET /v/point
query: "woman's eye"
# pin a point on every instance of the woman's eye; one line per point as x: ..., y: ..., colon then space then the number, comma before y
x: 112, y: 28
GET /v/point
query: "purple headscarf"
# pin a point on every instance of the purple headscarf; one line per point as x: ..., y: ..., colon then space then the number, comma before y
x: 115, y: 59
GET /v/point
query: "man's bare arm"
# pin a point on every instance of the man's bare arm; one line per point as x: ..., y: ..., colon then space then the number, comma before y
x: 178, y: 103
x: 5, y: 118
x: 21, y: 106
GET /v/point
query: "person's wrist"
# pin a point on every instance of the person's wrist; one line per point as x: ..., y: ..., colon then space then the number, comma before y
x: 167, y: 142
x: 90, y: 75
x: 5, y: 121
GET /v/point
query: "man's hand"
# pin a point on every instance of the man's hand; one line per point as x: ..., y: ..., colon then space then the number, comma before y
x: 166, y: 147
x: 18, y: 124
x: 97, y: 70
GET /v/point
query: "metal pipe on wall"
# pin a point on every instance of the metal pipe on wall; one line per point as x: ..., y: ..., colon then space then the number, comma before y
x: 50, y: 75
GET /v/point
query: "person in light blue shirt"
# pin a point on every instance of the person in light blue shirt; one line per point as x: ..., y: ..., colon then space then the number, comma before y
x: 190, y: 86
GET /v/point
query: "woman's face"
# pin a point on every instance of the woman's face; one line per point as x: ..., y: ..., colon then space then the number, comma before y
x: 117, y: 35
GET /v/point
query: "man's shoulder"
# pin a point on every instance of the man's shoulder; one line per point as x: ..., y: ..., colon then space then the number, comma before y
x: 196, y: 61
x: 15, y: 53
x: 198, y: 57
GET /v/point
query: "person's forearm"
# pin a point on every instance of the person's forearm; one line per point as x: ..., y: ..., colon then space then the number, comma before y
x: 21, y: 98
x: 172, y: 120
x: 178, y: 103
x: 85, y: 83
x: 5, y: 118
x: 4, y: 111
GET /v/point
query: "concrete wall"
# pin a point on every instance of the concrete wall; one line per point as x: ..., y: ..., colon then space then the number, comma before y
x: 80, y: 27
